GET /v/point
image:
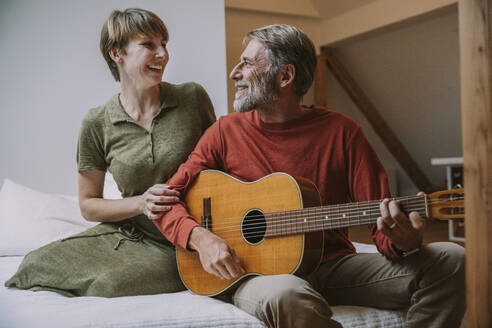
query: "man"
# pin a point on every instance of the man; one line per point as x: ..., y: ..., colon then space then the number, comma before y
x: 274, y: 133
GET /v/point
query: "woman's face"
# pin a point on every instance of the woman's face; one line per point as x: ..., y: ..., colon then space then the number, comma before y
x: 145, y: 59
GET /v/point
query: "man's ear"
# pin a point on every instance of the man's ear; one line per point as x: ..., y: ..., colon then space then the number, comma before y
x: 115, y: 55
x: 287, y: 75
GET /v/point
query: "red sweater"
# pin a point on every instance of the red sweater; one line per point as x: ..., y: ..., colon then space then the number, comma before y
x: 323, y: 146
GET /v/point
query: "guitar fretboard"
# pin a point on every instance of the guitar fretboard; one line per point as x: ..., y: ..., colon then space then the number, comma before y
x: 334, y: 216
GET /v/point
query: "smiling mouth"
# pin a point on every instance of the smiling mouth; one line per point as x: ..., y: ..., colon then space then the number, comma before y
x: 241, y: 91
x: 155, y: 68
x: 241, y: 86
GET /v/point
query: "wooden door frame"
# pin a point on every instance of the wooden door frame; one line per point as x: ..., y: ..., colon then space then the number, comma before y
x: 475, y: 18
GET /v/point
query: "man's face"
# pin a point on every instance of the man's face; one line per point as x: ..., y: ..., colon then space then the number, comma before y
x: 256, y: 87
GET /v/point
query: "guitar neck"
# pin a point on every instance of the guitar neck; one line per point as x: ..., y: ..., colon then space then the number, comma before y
x: 334, y: 216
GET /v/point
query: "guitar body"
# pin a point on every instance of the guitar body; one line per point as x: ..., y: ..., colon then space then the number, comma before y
x: 234, y: 203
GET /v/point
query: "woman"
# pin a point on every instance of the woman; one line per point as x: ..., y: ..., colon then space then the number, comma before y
x: 140, y: 135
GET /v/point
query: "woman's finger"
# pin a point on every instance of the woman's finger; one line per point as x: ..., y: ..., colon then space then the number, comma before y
x: 158, y: 208
x: 166, y: 200
x: 162, y: 189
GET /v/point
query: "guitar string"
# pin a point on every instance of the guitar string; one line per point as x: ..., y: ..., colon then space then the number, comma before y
x: 324, y: 209
x: 294, y: 222
x: 252, y: 220
x: 290, y: 223
x: 294, y: 217
x: 291, y: 232
x: 288, y: 227
x: 339, y: 208
x: 350, y: 206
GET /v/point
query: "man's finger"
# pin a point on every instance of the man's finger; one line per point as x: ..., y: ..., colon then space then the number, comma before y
x: 223, y: 271
x: 418, y: 223
x: 386, y: 215
x: 384, y: 227
x: 397, y: 215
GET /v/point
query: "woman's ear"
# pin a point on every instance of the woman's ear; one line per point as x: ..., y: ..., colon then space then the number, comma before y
x: 115, y: 55
x: 287, y: 75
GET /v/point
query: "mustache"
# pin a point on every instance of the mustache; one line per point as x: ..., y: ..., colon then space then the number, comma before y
x: 241, y: 84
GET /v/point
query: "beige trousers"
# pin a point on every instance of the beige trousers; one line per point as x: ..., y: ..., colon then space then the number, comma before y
x: 430, y: 284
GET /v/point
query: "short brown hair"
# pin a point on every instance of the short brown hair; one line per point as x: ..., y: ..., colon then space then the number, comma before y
x: 121, y: 26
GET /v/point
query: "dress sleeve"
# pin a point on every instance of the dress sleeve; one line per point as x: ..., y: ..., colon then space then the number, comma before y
x: 207, y: 108
x: 90, y: 149
x: 176, y: 224
x: 368, y: 181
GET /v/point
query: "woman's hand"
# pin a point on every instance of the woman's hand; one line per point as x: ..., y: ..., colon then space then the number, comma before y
x: 155, y: 201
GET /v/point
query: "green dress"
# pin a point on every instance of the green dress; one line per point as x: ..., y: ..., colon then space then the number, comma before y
x: 130, y: 257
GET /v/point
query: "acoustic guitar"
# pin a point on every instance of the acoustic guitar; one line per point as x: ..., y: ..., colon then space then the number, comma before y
x: 275, y: 224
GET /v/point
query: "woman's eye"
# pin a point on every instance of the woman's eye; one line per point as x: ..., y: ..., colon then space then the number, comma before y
x: 164, y: 45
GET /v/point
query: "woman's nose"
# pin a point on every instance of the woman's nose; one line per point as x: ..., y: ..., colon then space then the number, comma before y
x: 161, y: 51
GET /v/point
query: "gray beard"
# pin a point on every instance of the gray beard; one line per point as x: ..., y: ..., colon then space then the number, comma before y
x: 262, y: 92
x: 255, y: 100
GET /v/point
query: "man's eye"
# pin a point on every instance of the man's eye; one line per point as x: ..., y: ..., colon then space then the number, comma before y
x: 164, y: 45
x: 148, y: 44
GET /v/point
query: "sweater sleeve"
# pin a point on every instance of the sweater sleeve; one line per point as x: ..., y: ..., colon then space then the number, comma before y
x: 368, y: 181
x: 176, y: 224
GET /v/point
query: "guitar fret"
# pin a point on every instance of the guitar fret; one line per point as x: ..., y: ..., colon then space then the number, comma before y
x: 295, y: 223
x: 334, y: 216
x: 358, y: 213
x: 340, y: 218
x: 308, y: 223
x: 274, y: 223
x: 318, y: 220
x: 292, y: 223
x: 284, y: 228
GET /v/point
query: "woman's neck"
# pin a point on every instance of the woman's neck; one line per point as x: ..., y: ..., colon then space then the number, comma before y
x: 140, y: 104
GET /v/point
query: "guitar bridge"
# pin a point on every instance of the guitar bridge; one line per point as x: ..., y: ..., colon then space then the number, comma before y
x: 207, y: 214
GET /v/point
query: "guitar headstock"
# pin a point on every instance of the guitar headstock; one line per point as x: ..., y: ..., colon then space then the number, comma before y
x: 446, y: 204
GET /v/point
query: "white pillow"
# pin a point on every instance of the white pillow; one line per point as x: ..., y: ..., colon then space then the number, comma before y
x: 30, y: 219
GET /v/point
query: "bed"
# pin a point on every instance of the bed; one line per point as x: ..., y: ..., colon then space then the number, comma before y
x: 30, y: 218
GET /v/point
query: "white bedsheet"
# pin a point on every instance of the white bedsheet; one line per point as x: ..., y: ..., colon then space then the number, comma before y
x: 20, y: 308
x: 25, y: 309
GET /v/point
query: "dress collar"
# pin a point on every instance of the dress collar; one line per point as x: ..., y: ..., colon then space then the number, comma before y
x: 117, y: 112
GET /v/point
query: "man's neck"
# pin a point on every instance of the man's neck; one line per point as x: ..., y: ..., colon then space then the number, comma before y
x: 282, y: 110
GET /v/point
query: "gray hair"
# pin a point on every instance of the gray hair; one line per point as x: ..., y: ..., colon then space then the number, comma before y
x: 285, y: 45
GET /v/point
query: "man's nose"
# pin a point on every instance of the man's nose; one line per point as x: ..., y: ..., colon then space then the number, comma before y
x: 235, y: 73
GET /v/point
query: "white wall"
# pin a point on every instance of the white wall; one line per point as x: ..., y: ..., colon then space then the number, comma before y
x: 52, y: 72
x: 411, y: 75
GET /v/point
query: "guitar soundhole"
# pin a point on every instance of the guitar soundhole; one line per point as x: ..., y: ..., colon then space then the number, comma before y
x: 253, y: 227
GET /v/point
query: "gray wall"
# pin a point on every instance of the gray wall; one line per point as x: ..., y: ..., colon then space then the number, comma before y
x: 411, y: 74
x: 52, y: 73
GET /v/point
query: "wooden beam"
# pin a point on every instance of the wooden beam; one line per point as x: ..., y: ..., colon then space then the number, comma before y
x: 284, y: 7
x: 378, y: 123
x: 376, y: 15
x: 320, y: 96
x: 475, y: 26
